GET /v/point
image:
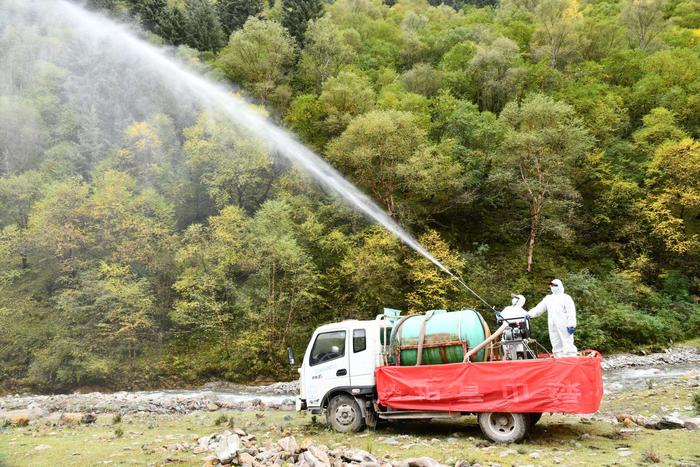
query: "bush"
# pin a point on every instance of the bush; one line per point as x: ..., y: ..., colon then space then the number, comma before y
x: 220, y: 420
x: 616, y: 312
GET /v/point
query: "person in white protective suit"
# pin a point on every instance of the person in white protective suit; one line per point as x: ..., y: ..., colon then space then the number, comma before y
x: 561, y: 318
x: 513, y: 312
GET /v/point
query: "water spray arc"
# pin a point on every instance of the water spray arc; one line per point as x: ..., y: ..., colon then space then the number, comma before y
x: 93, y: 27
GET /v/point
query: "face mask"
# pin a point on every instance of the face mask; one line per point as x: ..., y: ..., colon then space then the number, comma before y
x: 554, y: 289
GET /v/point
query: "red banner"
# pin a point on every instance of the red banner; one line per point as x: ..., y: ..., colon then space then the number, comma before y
x: 570, y: 385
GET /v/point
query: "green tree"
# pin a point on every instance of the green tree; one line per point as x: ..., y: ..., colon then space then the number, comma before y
x: 258, y: 56
x: 643, y: 20
x: 232, y: 166
x: 422, y: 79
x: 114, y: 308
x: 498, y: 73
x: 557, y: 36
x: 150, y: 13
x: 22, y: 135
x: 343, y: 98
x: 203, y: 29
x: 543, y: 140
x: 388, y: 154
x: 210, y: 304
x: 234, y: 13
x: 304, y: 118
x: 658, y: 127
x: 283, y: 277
x: 326, y: 50
x: 296, y: 15
x: 173, y: 25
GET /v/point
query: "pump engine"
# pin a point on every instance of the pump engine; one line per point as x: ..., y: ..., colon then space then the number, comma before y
x: 515, y: 340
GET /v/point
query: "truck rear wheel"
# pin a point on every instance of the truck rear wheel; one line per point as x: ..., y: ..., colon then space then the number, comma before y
x: 504, y: 427
x: 534, y: 418
x: 344, y: 414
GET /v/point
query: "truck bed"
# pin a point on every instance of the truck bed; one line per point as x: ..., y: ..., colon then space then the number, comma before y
x: 566, y: 385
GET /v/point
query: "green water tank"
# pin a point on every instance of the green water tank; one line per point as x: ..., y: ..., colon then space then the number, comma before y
x: 447, y: 336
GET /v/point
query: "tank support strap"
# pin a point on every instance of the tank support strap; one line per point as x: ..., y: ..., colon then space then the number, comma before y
x: 421, y: 338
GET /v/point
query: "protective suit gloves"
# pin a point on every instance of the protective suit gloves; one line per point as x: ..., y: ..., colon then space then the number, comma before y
x: 571, y: 329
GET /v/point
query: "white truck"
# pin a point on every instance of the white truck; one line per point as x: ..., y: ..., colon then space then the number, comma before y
x: 348, y: 372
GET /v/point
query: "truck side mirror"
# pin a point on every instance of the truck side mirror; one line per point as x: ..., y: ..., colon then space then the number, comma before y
x: 290, y: 356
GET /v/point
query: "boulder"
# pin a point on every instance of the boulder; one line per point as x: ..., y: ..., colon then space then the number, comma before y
x: 358, y: 455
x: 312, y: 461
x: 305, y: 443
x: 245, y: 459
x: 692, y: 423
x: 669, y: 422
x: 88, y: 418
x: 203, y: 442
x: 646, y: 422
x: 420, y: 462
x: 19, y: 420
x: 72, y: 418
x: 288, y: 444
x: 22, y: 414
x: 228, y: 447
x: 319, y: 453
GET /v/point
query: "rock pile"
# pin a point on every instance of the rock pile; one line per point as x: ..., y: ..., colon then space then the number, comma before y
x: 667, y: 422
x: 237, y: 448
x: 281, y: 388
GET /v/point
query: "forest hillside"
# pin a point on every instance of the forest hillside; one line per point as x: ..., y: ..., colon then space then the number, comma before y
x: 145, y: 242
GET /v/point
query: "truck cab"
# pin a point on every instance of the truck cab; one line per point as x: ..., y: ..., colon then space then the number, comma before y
x: 338, y: 371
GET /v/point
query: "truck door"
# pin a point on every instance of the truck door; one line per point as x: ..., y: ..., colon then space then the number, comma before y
x: 328, y: 365
x: 362, y: 358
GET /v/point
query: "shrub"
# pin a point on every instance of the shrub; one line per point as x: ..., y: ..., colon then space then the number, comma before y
x: 220, y: 420
x: 651, y: 456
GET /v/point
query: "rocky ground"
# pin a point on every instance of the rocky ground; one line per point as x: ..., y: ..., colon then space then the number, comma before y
x: 672, y: 356
x: 656, y: 424
x: 212, y: 396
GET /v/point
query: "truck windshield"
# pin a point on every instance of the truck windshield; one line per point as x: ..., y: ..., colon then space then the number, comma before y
x: 328, y: 346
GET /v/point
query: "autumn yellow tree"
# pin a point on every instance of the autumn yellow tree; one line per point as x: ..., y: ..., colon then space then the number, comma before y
x: 672, y: 205
x: 432, y: 288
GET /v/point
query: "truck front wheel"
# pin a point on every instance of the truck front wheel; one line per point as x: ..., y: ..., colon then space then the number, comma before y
x: 344, y: 414
x: 504, y: 427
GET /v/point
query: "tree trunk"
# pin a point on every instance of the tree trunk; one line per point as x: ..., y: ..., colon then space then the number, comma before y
x: 534, y: 224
